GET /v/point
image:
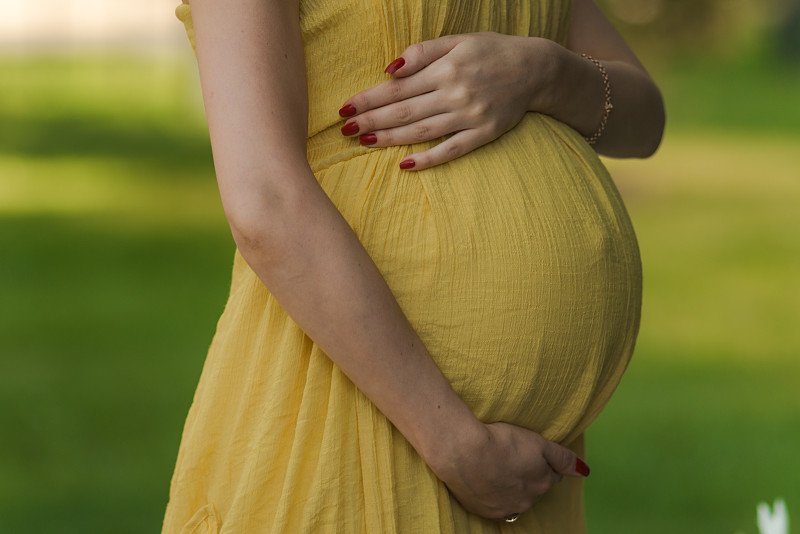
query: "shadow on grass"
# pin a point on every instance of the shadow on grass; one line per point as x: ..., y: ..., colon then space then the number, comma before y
x: 168, y: 148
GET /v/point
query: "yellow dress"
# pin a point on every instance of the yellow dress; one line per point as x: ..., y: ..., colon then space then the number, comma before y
x: 516, y: 264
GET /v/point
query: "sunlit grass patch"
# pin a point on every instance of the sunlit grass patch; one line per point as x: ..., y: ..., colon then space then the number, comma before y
x: 115, y: 87
x: 118, y: 138
x: 718, y: 222
x: 119, y: 191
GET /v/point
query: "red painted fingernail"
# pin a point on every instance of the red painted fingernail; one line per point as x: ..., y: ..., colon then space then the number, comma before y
x: 351, y: 128
x: 582, y: 468
x: 407, y: 164
x: 394, y: 65
x: 347, y: 111
x: 368, y: 139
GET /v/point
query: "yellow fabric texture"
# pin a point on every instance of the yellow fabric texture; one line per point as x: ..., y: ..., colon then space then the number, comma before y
x: 517, y: 265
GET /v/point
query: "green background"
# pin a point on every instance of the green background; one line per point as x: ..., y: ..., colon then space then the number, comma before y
x: 115, y: 260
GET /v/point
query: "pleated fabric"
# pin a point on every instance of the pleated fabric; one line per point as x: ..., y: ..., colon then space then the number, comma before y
x: 517, y: 265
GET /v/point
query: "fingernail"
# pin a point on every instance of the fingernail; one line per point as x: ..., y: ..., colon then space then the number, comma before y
x: 582, y: 468
x: 407, y: 164
x: 394, y: 65
x: 351, y: 128
x: 347, y: 111
x: 368, y: 139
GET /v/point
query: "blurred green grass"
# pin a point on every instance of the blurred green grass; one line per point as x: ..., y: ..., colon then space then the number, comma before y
x: 115, y: 261
x: 750, y: 94
x: 707, y: 421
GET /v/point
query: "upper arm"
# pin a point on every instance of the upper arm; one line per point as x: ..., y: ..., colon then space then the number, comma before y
x: 591, y: 33
x: 252, y: 72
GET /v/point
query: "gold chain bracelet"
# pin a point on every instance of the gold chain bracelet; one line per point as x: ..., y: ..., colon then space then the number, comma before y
x: 607, y: 105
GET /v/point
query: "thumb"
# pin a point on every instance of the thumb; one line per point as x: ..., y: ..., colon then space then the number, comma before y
x: 419, y: 55
x: 563, y: 461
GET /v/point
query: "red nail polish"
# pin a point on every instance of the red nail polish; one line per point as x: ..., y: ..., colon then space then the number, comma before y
x: 407, y: 164
x: 351, y: 128
x: 368, y: 139
x: 581, y: 467
x: 347, y: 111
x: 394, y: 65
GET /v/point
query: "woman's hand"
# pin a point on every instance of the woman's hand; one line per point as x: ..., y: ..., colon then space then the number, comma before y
x: 476, y: 86
x: 503, y: 469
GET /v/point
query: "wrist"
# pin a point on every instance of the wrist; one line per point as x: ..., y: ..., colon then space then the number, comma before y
x: 607, y: 105
x: 458, y: 437
x: 547, y: 67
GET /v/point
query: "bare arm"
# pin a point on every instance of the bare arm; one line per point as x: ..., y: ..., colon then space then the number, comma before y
x: 300, y: 246
x: 636, y: 123
x: 288, y: 230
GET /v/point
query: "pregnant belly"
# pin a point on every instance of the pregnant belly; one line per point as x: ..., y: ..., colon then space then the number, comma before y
x: 516, y: 264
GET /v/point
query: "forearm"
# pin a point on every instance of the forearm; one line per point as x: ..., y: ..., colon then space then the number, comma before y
x: 577, y: 97
x: 311, y: 261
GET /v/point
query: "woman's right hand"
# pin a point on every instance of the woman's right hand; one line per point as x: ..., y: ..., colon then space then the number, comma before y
x: 504, y: 469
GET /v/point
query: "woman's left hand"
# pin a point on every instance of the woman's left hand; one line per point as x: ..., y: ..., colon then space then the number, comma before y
x: 476, y: 86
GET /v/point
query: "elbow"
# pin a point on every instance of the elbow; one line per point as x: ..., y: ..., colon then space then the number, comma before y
x: 250, y: 237
x: 642, y: 131
x: 639, y: 130
x: 261, y: 225
x: 258, y: 244
x: 653, y: 131
x: 657, y: 124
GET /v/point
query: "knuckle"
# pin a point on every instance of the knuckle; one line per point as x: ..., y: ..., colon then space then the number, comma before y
x: 416, y: 50
x: 493, y: 129
x: 367, y: 122
x: 402, y: 114
x: 566, y: 459
x: 541, y: 487
x: 421, y: 132
x: 395, y: 89
x: 448, y: 71
x: 361, y: 101
x: 479, y: 109
x: 460, y: 96
x: 454, y: 150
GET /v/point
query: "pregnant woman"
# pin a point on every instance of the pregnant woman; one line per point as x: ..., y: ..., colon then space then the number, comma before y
x: 431, y: 299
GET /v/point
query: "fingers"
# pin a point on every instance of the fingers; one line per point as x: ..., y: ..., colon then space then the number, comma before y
x: 417, y: 132
x: 508, y: 472
x: 395, y: 116
x: 419, y: 55
x: 415, y: 58
x: 449, y: 149
x: 386, y: 93
x: 564, y: 461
